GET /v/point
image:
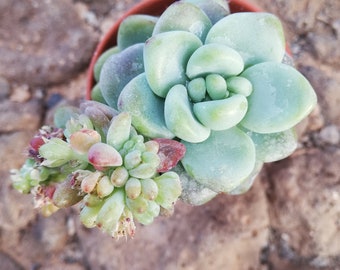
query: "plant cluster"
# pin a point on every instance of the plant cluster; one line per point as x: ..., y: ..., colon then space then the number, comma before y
x: 190, y: 104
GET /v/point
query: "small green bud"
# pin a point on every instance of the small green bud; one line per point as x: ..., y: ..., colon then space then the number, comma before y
x: 151, y: 158
x: 133, y: 188
x: 149, y: 189
x: 240, y: 85
x: 140, y: 146
x: 56, y: 152
x: 128, y: 145
x: 197, y: 89
x: 119, y: 130
x: 119, y: 176
x: 138, y: 139
x: 89, y: 182
x: 20, y: 183
x: 92, y: 200
x: 104, y: 187
x: 146, y: 217
x: 138, y: 205
x: 110, y: 213
x: 132, y: 159
x: 152, y: 146
x: 77, y: 122
x: 88, y: 216
x: 144, y: 170
x: 216, y: 86
x: 169, y: 189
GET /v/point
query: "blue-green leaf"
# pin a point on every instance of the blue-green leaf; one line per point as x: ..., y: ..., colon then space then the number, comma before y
x: 179, y: 117
x: 214, y: 58
x: 135, y: 29
x: 146, y: 108
x: 215, y: 9
x: 165, y: 59
x: 221, y: 162
x: 274, y: 146
x: 221, y: 114
x: 257, y: 36
x: 281, y: 98
x: 118, y: 70
x: 185, y: 17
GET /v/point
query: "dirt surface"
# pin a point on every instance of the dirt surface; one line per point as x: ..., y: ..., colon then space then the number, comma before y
x: 290, y: 219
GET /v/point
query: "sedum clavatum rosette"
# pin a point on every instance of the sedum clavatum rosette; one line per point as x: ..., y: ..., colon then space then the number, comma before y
x: 220, y: 83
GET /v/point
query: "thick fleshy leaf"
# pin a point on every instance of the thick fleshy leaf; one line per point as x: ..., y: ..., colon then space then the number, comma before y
x: 257, y: 36
x: 216, y: 86
x: 135, y: 29
x: 146, y: 109
x: 179, y: 117
x: 197, y: 89
x: 215, y: 9
x: 82, y: 140
x: 118, y: 70
x: 55, y: 152
x: 119, y: 130
x: 193, y: 192
x: 147, y: 217
x: 149, y: 189
x: 96, y: 94
x: 184, y: 17
x: 88, y: 216
x: 239, y: 85
x: 169, y: 189
x: 222, y: 161
x: 65, y: 195
x: 110, y: 213
x: 165, y: 59
x: 281, y: 98
x: 101, y: 60
x: 102, y: 155
x: 214, y: 58
x: 170, y: 153
x: 133, y: 188
x: 274, y: 146
x: 221, y: 114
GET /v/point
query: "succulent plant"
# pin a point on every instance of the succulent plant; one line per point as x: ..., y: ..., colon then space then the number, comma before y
x: 219, y: 83
x: 94, y: 156
x: 189, y: 104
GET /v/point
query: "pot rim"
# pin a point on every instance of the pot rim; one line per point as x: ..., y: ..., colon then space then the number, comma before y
x: 146, y: 7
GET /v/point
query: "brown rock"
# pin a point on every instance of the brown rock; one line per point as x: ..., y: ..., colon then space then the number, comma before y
x: 9, y: 263
x: 43, y: 42
x: 4, y: 89
x: 16, y: 116
x: 304, y: 192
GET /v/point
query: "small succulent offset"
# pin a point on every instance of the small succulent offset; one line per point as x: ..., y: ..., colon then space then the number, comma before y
x: 95, y: 156
x: 187, y: 105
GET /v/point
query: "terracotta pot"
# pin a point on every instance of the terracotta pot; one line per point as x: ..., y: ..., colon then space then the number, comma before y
x: 150, y: 7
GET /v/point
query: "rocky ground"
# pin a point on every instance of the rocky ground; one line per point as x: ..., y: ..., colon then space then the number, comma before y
x: 290, y: 219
